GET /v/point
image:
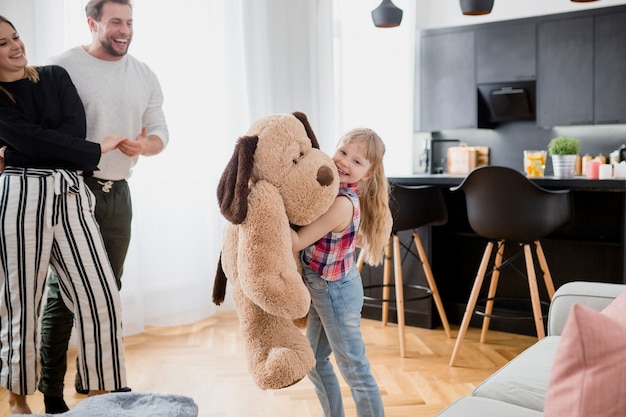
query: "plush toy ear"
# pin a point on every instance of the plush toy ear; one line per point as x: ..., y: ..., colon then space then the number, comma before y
x: 233, y: 189
x: 307, y: 126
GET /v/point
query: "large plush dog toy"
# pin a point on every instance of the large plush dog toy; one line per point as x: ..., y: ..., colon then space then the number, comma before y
x: 277, y: 177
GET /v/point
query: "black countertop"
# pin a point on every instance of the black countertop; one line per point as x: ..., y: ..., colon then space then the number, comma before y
x: 577, y: 183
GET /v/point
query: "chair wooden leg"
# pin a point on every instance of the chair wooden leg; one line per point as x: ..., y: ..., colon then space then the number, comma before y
x: 397, y: 261
x: 547, y: 277
x: 471, y: 304
x: 493, y: 286
x: 534, y: 292
x: 431, y: 283
x: 386, y: 281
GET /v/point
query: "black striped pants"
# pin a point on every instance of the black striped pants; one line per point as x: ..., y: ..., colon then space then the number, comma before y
x: 46, y: 218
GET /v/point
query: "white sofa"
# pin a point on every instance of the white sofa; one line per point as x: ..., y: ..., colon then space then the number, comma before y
x: 519, y: 388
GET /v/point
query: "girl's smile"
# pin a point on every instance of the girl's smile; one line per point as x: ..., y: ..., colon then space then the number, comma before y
x: 352, y: 164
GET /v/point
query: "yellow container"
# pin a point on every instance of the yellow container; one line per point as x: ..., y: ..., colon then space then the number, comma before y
x: 534, y: 163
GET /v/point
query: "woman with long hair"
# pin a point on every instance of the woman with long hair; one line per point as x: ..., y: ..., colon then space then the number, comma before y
x: 46, y: 219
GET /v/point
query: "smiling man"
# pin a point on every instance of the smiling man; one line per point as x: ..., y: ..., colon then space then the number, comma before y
x: 121, y: 95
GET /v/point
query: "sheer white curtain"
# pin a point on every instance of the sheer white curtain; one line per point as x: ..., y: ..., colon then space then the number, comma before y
x: 222, y: 64
x: 289, y: 60
x: 218, y: 63
x: 177, y: 226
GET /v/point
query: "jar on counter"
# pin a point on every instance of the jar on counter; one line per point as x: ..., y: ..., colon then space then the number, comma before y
x: 586, y: 159
x: 593, y: 169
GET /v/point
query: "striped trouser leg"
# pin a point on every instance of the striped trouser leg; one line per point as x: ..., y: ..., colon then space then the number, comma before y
x: 39, y: 227
x: 25, y: 244
x: 88, y: 287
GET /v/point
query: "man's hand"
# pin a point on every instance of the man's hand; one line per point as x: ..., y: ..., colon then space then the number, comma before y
x: 135, y: 147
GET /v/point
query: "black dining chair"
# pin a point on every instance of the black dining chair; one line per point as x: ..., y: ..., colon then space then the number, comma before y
x: 411, y: 207
x: 507, y: 208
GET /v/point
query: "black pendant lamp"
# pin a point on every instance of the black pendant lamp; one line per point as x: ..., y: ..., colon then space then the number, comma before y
x: 476, y: 7
x: 387, y: 15
x: 583, y: 1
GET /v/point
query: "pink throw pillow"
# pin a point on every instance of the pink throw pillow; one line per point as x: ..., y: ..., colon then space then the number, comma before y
x: 588, y: 377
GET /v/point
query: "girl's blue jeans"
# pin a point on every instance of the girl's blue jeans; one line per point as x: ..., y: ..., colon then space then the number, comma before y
x: 334, y: 326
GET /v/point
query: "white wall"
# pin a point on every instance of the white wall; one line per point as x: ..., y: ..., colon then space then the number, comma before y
x: 375, y: 82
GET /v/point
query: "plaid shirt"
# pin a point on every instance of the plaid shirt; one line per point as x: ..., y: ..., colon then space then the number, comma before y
x: 333, y: 255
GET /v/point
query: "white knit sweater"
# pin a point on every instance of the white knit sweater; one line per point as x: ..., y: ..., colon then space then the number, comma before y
x: 119, y: 98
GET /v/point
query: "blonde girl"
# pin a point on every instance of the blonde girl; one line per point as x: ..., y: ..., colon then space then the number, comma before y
x: 360, y: 212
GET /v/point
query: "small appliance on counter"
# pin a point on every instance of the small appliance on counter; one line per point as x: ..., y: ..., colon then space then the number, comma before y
x: 438, y: 154
x: 618, y: 155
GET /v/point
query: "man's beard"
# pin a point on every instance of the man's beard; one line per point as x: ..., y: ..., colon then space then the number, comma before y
x: 107, y: 46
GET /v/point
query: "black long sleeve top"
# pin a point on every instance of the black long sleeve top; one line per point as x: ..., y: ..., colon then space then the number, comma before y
x: 45, y: 127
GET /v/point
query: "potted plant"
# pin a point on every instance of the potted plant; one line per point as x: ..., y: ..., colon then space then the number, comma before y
x: 564, y: 150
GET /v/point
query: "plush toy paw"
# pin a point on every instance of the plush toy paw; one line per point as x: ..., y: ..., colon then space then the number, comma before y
x: 283, y: 367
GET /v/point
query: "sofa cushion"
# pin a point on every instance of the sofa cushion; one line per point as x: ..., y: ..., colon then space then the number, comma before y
x: 617, y: 309
x: 596, y: 295
x: 588, y: 377
x: 485, y: 407
x: 524, y: 380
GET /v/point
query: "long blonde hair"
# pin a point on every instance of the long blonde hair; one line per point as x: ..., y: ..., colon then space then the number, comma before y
x: 29, y: 72
x: 376, y: 219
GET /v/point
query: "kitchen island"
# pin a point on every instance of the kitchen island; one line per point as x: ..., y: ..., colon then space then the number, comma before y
x: 592, y: 249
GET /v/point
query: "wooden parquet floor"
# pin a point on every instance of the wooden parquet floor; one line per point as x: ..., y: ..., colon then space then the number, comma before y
x: 206, y: 361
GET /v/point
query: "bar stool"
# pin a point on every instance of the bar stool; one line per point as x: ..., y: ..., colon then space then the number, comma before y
x: 507, y: 208
x: 411, y: 207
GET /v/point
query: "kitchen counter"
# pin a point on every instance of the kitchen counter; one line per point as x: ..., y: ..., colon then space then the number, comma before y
x: 592, y: 249
x: 576, y: 183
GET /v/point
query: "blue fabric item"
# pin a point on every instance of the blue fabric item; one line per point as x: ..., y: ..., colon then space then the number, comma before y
x: 131, y: 404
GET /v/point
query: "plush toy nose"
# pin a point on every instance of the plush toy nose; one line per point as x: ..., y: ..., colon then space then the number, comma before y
x: 325, y: 176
